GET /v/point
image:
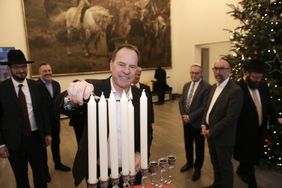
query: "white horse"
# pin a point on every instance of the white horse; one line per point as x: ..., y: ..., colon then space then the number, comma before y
x: 94, y: 24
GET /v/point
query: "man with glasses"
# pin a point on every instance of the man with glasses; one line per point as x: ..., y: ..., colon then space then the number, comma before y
x: 252, y: 122
x: 191, y: 107
x: 219, y: 123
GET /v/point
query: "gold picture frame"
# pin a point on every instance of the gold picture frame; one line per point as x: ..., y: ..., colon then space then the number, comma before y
x: 56, y: 36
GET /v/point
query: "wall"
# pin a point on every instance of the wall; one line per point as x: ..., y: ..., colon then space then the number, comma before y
x: 194, y: 23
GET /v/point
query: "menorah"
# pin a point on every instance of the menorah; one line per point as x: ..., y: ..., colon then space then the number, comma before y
x: 124, y: 117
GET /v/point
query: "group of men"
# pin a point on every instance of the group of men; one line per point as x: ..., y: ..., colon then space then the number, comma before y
x: 29, y: 121
x: 30, y: 114
x: 232, y: 116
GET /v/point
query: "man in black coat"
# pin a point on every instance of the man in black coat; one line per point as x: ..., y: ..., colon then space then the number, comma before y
x: 191, y: 107
x: 123, y: 67
x: 24, y: 123
x: 160, y: 86
x: 53, y: 89
x: 220, y: 123
x: 257, y: 107
x: 144, y: 87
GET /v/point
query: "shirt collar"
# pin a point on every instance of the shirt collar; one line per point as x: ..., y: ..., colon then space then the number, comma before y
x: 16, y: 83
x: 115, y: 91
x: 223, y: 84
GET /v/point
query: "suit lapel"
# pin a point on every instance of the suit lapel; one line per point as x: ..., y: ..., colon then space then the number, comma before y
x: 14, y: 94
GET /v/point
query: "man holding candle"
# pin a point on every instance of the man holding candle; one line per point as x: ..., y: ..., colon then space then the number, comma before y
x: 123, y: 66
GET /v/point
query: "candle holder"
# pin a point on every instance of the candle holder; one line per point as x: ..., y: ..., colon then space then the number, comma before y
x: 171, y: 162
x: 115, y: 182
x: 125, y: 179
x: 92, y: 185
x: 132, y: 180
x: 144, y: 173
x: 153, y: 168
x: 162, y: 164
x: 104, y: 184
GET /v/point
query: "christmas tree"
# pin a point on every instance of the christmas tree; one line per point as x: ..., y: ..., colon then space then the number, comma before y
x: 259, y: 37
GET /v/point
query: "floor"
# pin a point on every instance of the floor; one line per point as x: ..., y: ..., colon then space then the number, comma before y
x: 168, y: 139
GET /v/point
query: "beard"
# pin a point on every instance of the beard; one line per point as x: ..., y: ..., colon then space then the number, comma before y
x: 252, y: 84
x: 19, y: 78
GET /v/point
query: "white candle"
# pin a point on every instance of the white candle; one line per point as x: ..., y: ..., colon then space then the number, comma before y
x: 113, y: 136
x: 92, y: 140
x: 144, y: 130
x: 124, y: 133
x: 131, y: 138
x: 103, y: 138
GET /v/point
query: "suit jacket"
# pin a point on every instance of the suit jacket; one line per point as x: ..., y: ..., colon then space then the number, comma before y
x: 197, y: 106
x: 53, y: 111
x: 80, y: 167
x: 224, y: 114
x: 249, y: 139
x: 11, y: 128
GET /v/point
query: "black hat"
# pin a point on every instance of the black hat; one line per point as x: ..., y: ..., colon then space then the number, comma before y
x: 256, y: 66
x: 16, y: 57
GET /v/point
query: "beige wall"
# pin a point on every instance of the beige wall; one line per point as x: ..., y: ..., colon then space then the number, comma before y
x: 194, y: 23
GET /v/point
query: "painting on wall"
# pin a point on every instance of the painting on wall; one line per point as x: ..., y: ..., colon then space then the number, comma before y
x: 4, y: 69
x: 79, y: 36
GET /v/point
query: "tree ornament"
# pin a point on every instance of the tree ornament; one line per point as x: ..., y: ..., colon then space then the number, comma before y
x: 275, y: 65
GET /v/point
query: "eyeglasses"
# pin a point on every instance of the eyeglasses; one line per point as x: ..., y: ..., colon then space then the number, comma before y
x: 220, y: 69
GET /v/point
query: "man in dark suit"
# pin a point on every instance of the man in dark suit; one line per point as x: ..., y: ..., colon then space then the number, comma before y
x: 123, y: 66
x: 160, y: 86
x: 144, y: 87
x: 257, y: 107
x: 53, y: 89
x: 220, y: 122
x: 24, y: 123
x: 191, y: 107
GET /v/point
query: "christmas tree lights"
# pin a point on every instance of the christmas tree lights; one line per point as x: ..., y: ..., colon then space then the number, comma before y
x: 259, y: 37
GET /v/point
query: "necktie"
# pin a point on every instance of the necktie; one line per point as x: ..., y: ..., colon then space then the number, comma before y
x: 189, y: 98
x: 258, y: 106
x: 22, y: 101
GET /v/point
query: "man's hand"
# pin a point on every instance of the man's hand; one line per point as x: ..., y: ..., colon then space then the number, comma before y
x: 137, y: 162
x: 4, y: 153
x: 185, y: 118
x: 48, y: 140
x: 204, y: 130
x: 79, y: 91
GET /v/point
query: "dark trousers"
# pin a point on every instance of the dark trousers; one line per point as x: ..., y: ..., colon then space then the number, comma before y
x: 192, y: 134
x: 30, y: 151
x: 55, y: 148
x: 248, y: 171
x: 221, y: 159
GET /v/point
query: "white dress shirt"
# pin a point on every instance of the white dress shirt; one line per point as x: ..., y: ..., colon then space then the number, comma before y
x: 216, y: 94
x: 26, y: 92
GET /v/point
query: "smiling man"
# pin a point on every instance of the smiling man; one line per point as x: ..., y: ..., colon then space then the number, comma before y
x: 53, y: 89
x: 123, y: 67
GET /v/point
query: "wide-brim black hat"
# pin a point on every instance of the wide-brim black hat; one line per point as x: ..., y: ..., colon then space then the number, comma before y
x: 16, y: 57
x: 255, y: 66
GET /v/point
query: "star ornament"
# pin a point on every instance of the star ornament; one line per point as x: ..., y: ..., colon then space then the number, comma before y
x: 275, y: 65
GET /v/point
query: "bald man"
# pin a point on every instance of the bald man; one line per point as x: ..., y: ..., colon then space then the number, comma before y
x: 220, y: 122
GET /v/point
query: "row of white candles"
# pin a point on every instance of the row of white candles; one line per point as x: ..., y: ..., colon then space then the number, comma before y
x: 127, y: 136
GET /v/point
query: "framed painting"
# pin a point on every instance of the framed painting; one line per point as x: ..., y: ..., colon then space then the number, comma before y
x: 79, y: 36
x: 4, y: 70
